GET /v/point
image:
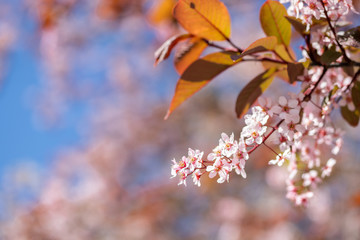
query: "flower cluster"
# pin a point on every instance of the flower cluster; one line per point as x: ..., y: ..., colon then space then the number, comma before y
x: 301, y: 133
x: 229, y: 155
x: 306, y: 10
x: 299, y: 125
x: 187, y: 166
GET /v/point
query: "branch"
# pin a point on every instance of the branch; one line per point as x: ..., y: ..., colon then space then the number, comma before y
x: 232, y: 44
x: 307, y: 96
x: 353, y: 80
x: 334, y: 32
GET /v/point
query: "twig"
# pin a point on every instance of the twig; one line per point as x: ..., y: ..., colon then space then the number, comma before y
x: 334, y: 32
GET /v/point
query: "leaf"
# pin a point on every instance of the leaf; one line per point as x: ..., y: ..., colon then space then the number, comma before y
x: 281, y: 70
x: 253, y: 90
x: 355, y: 95
x: 274, y: 23
x: 283, y: 53
x: 351, y: 37
x: 356, y: 5
x: 198, y: 74
x: 295, y: 70
x: 188, y: 53
x: 164, y: 51
x: 351, y: 117
x: 208, y: 19
x: 333, y: 91
x: 349, y: 70
x: 330, y: 55
x: 297, y: 24
x: 161, y: 11
x: 260, y: 45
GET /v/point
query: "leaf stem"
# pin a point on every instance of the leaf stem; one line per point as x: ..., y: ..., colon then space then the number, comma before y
x: 265, y: 59
x: 270, y: 148
x: 311, y: 50
x: 211, y: 44
x: 307, y: 97
x: 233, y: 44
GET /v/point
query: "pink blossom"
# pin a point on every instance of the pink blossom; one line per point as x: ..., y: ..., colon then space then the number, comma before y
x: 196, y: 177
x: 266, y: 104
x: 311, y: 178
x: 228, y: 145
x: 220, y: 168
x: 291, y: 190
x: 287, y: 109
x: 288, y: 129
x: 303, y: 199
x: 239, y: 166
x: 187, y: 166
x: 254, y: 130
x: 280, y: 158
x: 326, y: 171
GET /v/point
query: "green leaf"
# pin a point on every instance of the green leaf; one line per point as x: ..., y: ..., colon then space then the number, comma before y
x: 330, y: 55
x: 295, y: 70
x: 283, y: 53
x: 253, y: 90
x: 274, y: 23
x: 333, y: 91
x: 164, y: 51
x: 351, y: 117
x: 198, y: 74
x: 297, y: 24
x: 355, y: 95
x: 326, y: 99
x: 260, y: 45
x: 208, y: 19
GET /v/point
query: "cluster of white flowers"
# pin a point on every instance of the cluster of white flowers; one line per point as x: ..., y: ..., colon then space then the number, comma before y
x: 306, y: 10
x: 304, y: 134
x: 187, y: 166
x: 254, y: 130
x: 300, y: 133
x: 229, y: 155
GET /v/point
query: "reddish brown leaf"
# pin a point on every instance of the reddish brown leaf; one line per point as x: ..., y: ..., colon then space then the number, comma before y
x: 253, y: 90
x: 297, y: 24
x: 355, y: 94
x: 356, y: 4
x: 351, y: 117
x: 198, y: 74
x: 295, y: 70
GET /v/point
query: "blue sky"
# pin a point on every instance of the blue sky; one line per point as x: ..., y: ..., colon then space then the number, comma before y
x: 21, y: 138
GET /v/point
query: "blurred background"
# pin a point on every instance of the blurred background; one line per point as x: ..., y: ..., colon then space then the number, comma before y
x: 85, y: 152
